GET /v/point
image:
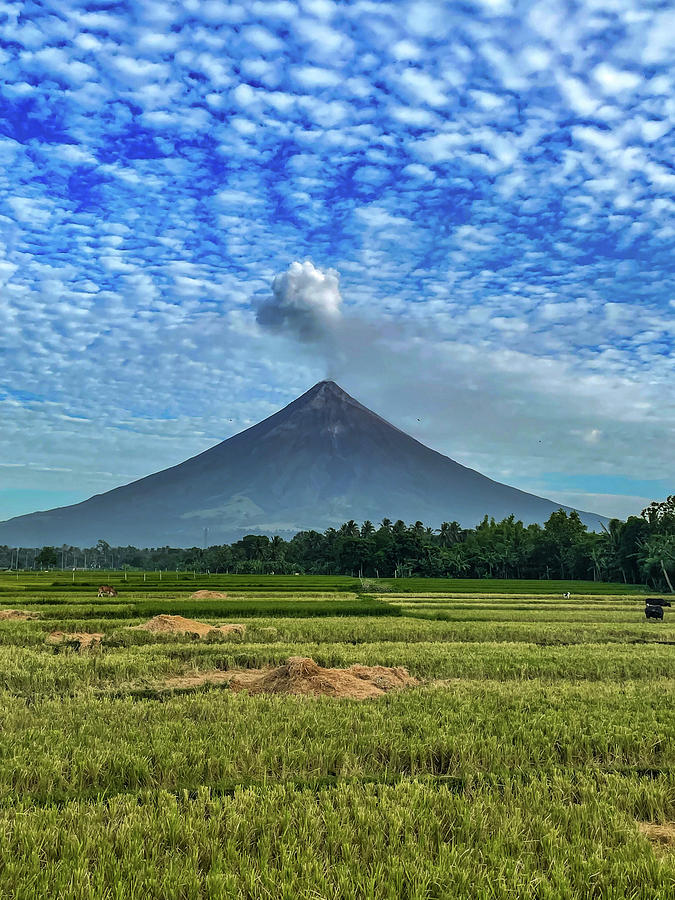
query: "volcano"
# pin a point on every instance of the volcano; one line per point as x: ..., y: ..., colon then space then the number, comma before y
x: 318, y: 462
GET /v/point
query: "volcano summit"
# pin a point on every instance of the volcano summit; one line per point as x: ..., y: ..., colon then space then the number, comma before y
x: 320, y: 461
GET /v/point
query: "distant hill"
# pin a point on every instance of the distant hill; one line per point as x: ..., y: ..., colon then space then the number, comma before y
x: 320, y: 461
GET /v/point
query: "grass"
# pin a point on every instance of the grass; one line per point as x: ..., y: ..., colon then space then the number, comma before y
x: 541, y: 734
x: 483, y: 586
x: 64, y: 749
x: 39, y: 672
x: 412, y: 840
x: 212, y: 609
x: 64, y: 581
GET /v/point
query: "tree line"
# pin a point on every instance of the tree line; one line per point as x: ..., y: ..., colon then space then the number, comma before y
x: 639, y: 550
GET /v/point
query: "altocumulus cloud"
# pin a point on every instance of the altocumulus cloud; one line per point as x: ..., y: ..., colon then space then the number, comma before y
x: 493, y: 183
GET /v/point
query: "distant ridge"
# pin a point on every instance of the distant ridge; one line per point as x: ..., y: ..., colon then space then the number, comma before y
x: 320, y: 461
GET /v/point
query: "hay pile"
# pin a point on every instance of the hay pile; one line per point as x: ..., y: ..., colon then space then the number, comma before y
x: 17, y: 615
x: 232, y: 628
x: 166, y: 624
x: 78, y: 640
x: 301, y: 675
x: 208, y: 595
x: 662, y: 836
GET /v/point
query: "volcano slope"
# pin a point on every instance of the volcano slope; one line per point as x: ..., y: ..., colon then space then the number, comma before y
x: 320, y: 461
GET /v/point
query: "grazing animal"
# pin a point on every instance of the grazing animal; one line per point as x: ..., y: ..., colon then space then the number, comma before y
x: 656, y: 601
x: 567, y: 595
x: 654, y: 607
x: 653, y: 612
x: 105, y: 590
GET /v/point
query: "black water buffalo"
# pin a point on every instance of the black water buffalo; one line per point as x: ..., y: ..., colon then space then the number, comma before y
x: 653, y: 612
x: 654, y: 607
x: 656, y: 601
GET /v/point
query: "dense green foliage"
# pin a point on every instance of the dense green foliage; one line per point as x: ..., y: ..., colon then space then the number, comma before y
x: 541, y: 733
x: 209, y: 609
x: 640, y: 550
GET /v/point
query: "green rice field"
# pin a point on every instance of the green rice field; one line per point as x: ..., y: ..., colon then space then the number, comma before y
x: 531, y: 759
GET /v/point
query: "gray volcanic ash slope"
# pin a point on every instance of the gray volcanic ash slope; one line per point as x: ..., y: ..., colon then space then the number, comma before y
x: 318, y: 462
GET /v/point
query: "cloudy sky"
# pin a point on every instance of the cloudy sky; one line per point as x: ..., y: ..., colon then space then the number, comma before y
x: 491, y: 184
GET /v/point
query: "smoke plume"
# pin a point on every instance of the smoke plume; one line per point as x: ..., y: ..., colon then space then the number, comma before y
x: 305, y: 303
x: 455, y: 388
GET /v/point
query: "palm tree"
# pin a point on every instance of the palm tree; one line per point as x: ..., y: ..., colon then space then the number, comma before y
x: 277, y: 547
x: 450, y: 533
x: 598, y: 555
x: 457, y: 561
x: 350, y: 528
x: 659, y: 550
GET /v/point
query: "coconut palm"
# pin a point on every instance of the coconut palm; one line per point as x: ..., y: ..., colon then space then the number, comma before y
x: 658, y: 552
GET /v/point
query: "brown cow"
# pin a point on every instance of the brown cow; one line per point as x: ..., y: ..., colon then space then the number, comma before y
x: 105, y: 590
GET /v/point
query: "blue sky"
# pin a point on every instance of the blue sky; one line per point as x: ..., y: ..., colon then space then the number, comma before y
x: 493, y: 183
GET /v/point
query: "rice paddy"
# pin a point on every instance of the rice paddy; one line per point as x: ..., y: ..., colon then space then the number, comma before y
x: 534, y: 757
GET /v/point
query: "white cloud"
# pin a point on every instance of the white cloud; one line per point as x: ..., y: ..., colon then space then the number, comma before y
x: 410, y: 115
x: 315, y: 77
x: 427, y: 19
x: 578, y: 96
x: 415, y: 170
x: 29, y: 210
x: 657, y: 47
x: 612, y: 80
x: 406, y: 50
x: 614, y: 506
x: 261, y: 38
x: 325, y: 41
x: 378, y: 217
x: 654, y: 130
x: 139, y: 69
x: 422, y: 87
x: 440, y: 148
x: 56, y: 61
